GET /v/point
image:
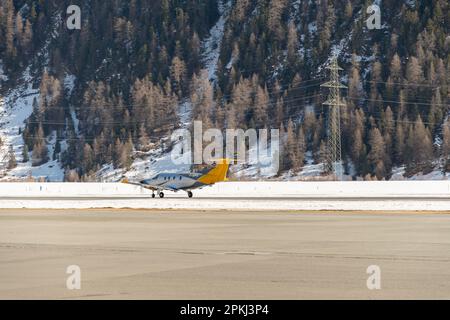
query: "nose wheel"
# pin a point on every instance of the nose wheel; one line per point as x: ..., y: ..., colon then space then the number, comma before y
x: 153, y: 195
x: 190, y: 194
x: 161, y: 195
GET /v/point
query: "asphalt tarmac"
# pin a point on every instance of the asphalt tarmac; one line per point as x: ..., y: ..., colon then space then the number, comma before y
x: 145, y: 254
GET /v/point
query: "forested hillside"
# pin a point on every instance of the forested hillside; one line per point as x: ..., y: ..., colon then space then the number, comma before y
x: 116, y: 89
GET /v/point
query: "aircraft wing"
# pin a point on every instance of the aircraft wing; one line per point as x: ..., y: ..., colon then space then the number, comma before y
x: 170, y: 188
x: 126, y: 181
x: 152, y: 187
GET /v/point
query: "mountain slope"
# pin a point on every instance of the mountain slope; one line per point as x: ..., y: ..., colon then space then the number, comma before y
x: 108, y: 97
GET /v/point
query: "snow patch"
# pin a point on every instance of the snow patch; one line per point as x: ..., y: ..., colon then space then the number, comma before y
x: 17, y: 107
x: 212, y: 45
x: 366, y: 196
x: 69, y: 83
x: 154, y: 162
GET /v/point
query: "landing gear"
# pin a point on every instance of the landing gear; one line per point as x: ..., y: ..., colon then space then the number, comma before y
x: 153, y: 195
x: 190, y: 194
x: 161, y: 194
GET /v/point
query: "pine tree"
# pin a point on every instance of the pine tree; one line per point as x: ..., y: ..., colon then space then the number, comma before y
x: 292, y: 45
x: 348, y: 9
x: 19, y: 28
x: 409, y: 146
x: 399, y: 144
x: 355, y: 86
x: 40, y: 151
x: 202, y: 99
x: 71, y: 176
x: 279, y: 113
x: 423, y: 145
x: 88, y: 158
x: 231, y: 121
x: 144, y: 140
x: 357, y: 146
x: 12, y: 163
x: 323, y: 153
x: 358, y: 149
x: 396, y: 69
x: 414, y: 76
x: 388, y: 126
x: 127, y: 154
x: 25, y: 155
x: 27, y: 36
x: 118, y: 154
x: 261, y: 108
x: 274, y: 24
x: 57, y: 149
x: 178, y: 75
x: 291, y: 149
x: 375, y: 96
x: 435, y: 115
x: 241, y: 101
x: 302, y: 147
x: 419, y: 146
x: 445, y: 148
x: 377, y: 154
x: 9, y: 28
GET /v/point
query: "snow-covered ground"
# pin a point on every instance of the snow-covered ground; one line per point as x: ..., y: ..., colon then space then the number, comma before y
x: 274, y: 196
x: 257, y: 190
x: 272, y: 205
x: 211, y: 46
x: 437, y: 174
x: 151, y: 164
x: 18, y: 107
x: 51, y: 171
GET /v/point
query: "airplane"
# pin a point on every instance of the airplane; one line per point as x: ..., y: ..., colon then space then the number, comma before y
x: 184, y: 181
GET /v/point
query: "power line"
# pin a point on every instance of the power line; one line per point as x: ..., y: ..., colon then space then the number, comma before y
x: 404, y: 84
x: 285, y: 109
x: 271, y: 104
x: 269, y: 91
x: 398, y: 102
x: 285, y: 118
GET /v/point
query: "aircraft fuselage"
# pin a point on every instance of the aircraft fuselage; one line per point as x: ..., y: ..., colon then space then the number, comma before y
x: 173, y: 181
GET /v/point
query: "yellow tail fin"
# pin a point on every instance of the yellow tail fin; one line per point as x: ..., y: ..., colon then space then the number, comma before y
x: 217, y: 174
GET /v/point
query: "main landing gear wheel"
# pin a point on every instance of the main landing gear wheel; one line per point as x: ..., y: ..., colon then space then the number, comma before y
x: 153, y: 195
x: 190, y: 194
x: 161, y: 195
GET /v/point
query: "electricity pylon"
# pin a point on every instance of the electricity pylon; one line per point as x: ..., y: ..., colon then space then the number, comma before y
x: 334, y: 103
x: 2, y: 161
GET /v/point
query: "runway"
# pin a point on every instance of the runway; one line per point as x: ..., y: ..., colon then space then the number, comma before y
x: 141, y: 254
x: 214, y: 203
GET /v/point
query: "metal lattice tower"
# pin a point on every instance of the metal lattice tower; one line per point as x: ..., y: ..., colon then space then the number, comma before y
x: 3, y: 161
x: 334, y: 102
